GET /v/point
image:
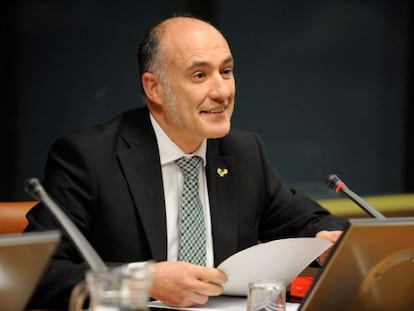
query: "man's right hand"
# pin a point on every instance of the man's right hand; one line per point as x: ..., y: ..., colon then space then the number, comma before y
x: 182, y: 284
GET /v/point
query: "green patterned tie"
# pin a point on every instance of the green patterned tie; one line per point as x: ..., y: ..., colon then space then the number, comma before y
x: 192, y: 244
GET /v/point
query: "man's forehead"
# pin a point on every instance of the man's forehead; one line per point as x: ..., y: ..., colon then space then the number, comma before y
x: 190, y: 58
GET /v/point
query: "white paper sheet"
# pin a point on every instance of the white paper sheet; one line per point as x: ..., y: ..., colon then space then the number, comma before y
x: 221, y: 303
x: 280, y: 260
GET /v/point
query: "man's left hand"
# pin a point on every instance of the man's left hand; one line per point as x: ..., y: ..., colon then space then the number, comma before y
x: 331, y: 236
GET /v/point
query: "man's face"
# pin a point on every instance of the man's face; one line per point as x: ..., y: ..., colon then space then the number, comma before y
x: 199, y: 89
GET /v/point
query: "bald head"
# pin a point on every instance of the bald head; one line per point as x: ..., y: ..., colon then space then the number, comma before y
x: 166, y: 36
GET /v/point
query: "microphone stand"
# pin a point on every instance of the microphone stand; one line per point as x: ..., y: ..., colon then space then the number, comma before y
x: 36, y: 190
x: 338, y: 185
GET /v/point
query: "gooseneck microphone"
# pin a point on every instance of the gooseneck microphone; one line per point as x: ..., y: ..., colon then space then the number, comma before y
x: 338, y: 185
x: 36, y: 190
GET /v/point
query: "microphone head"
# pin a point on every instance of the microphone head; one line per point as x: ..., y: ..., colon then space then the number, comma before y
x: 32, y: 187
x: 332, y: 181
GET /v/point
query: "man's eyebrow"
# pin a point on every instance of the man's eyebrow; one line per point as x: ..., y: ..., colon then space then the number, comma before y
x: 197, y: 64
x: 228, y: 60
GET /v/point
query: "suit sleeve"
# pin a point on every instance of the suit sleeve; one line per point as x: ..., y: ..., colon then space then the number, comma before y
x: 286, y: 213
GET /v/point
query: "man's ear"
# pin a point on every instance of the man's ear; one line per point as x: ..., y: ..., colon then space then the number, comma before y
x: 152, y: 87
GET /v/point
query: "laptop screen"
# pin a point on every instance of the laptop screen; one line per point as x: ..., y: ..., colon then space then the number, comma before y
x: 371, y: 268
x: 23, y: 258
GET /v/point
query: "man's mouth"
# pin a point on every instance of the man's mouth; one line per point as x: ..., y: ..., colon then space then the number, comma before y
x: 215, y: 110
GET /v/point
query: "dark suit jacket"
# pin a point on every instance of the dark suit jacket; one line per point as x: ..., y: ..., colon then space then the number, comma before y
x: 108, y: 179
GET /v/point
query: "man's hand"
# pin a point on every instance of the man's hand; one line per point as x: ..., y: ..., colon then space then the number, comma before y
x: 182, y: 284
x: 331, y: 236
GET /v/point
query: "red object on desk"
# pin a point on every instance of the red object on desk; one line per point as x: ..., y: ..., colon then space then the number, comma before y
x: 300, y: 286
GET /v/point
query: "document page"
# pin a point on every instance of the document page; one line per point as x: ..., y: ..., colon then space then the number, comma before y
x: 280, y: 260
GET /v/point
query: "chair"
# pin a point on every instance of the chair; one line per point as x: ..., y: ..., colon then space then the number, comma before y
x: 13, y: 216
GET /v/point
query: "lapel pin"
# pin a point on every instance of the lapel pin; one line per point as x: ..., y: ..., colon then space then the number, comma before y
x: 222, y: 171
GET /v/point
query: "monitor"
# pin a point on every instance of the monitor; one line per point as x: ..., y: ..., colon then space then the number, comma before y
x: 23, y: 258
x: 370, y: 268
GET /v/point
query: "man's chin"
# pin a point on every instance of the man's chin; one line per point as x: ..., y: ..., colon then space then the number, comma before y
x: 218, y: 133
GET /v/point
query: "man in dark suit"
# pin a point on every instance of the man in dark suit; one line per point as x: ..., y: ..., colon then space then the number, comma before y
x: 119, y: 182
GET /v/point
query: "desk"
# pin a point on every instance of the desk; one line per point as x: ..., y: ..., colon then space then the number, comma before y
x: 221, y: 303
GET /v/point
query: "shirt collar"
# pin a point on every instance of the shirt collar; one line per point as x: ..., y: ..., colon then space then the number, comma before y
x: 169, y: 151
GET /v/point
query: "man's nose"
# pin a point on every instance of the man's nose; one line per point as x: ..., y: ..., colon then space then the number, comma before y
x: 221, y: 88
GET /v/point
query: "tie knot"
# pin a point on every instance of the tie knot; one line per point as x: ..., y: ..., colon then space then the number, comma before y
x: 189, y: 166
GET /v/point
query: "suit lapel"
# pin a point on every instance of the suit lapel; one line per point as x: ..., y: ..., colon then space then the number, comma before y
x: 221, y: 178
x: 141, y: 158
x: 140, y: 164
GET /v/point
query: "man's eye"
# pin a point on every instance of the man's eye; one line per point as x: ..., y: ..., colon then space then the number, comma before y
x: 228, y: 71
x: 199, y: 75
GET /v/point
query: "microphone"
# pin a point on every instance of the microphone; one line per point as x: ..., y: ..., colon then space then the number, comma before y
x: 338, y: 185
x: 34, y: 188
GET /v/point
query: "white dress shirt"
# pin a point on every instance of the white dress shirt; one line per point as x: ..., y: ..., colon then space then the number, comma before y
x: 173, y: 181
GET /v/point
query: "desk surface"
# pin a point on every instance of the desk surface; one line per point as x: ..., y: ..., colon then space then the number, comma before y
x: 222, y: 303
